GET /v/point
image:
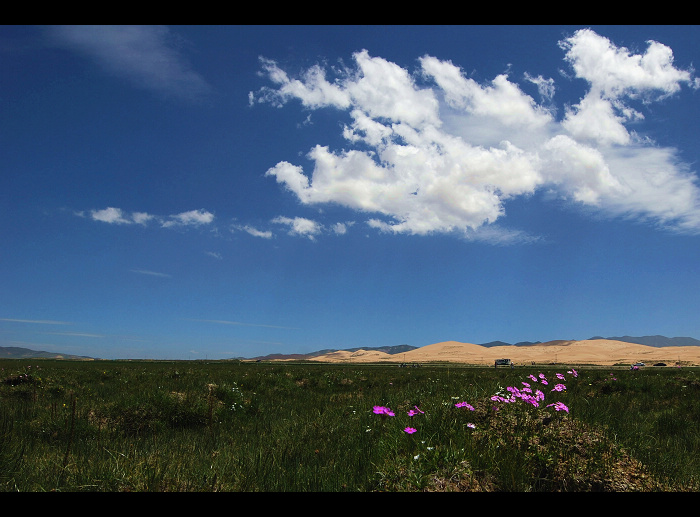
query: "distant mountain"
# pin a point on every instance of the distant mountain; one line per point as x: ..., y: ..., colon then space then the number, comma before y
x: 16, y: 352
x: 503, y: 343
x: 657, y: 341
x: 392, y: 350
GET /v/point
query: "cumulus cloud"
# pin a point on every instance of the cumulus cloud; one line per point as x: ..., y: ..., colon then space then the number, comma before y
x: 436, y: 151
x: 147, y: 56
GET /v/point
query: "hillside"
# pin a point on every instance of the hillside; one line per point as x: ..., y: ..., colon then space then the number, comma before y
x: 658, y: 341
x: 602, y: 352
x: 15, y: 352
x: 652, y: 341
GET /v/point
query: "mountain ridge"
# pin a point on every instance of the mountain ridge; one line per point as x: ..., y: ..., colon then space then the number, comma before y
x: 16, y: 352
x: 656, y: 341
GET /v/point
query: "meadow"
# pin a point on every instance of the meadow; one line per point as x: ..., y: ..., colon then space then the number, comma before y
x: 232, y: 426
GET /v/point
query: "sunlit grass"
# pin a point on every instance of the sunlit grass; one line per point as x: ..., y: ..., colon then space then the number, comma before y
x: 234, y: 426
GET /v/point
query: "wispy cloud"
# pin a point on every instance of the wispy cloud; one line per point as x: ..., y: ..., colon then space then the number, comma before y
x: 435, y: 151
x: 74, y: 334
x: 300, y: 226
x: 148, y: 56
x: 39, y: 322
x: 151, y: 273
x: 225, y: 322
x: 191, y: 218
x: 264, y: 234
x: 113, y: 215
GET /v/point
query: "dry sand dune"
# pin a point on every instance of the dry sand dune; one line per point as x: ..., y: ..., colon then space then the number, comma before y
x: 604, y: 352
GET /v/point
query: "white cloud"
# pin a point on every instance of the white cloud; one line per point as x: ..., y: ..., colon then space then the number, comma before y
x: 110, y: 215
x: 300, y: 226
x: 114, y: 215
x: 313, y: 91
x: 226, y: 322
x: 191, y: 218
x: 501, y: 100
x: 147, y: 56
x: 38, y: 322
x: 265, y: 234
x: 613, y: 72
x: 445, y: 155
x: 342, y: 228
x: 141, y: 217
x: 615, y: 75
x: 150, y: 273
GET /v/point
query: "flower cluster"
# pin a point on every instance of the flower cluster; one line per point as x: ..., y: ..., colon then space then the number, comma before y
x: 535, y: 397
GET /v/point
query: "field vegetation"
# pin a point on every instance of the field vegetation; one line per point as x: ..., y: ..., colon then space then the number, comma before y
x: 189, y: 426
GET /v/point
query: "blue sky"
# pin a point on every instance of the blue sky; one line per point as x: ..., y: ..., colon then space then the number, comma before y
x: 194, y: 192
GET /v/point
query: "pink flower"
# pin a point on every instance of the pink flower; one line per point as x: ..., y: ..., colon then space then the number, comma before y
x: 560, y: 376
x: 573, y: 372
x: 464, y: 404
x: 559, y: 406
x: 410, y: 430
x: 384, y: 411
x: 471, y: 425
x: 532, y: 400
x: 559, y: 387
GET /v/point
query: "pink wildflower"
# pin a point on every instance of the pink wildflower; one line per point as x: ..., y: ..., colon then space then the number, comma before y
x: 410, y: 430
x: 384, y: 411
x: 559, y: 406
x: 464, y: 404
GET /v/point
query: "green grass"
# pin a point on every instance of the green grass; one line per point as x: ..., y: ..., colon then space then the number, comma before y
x: 238, y: 426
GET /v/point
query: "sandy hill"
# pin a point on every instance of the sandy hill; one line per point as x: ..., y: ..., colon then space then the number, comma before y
x: 605, y: 352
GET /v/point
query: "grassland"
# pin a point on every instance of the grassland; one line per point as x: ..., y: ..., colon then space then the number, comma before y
x: 191, y: 426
